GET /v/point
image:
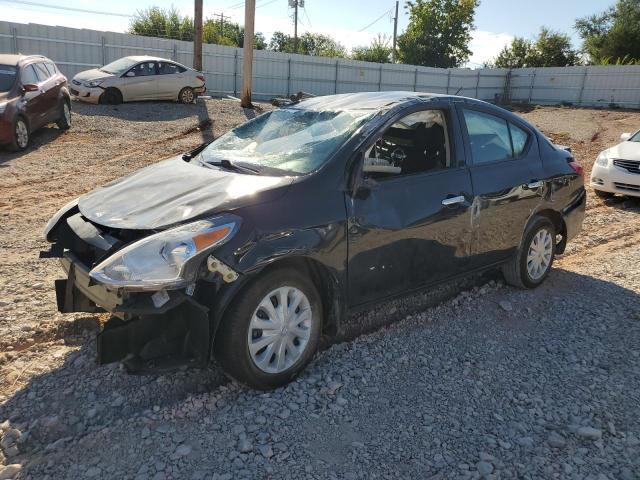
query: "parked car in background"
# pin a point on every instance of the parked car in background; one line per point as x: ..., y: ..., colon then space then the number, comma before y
x: 138, y: 78
x: 249, y: 248
x: 617, y: 169
x: 33, y: 93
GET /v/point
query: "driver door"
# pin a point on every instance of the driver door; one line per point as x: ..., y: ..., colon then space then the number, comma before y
x: 409, y: 216
x: 140, y: 82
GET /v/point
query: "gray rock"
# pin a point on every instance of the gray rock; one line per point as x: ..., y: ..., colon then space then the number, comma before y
x: 183, y: 450
x: 556, y: 440
x: 505, y: 305
x: 10, y: 471
x: 589, y: 433
x: 484, y: 468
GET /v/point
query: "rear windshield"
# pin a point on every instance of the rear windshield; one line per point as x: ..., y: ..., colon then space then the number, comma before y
x: 293, y: 140
x: 7, y: 77
x: 119, y: 66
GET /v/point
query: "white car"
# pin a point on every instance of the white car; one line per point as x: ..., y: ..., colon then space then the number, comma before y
x: 617, y: 169
x: 138, y: 78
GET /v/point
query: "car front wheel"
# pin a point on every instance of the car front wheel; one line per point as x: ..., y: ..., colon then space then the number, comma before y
x: 64, y: 122
x: 271, y: 330
x: 534, y: 258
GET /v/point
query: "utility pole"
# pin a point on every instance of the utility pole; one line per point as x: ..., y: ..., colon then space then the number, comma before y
x: 197, y: 39
x: 395, y: 34
x: 295, y: 4
x: 247, y: 52
x: 222, y: 17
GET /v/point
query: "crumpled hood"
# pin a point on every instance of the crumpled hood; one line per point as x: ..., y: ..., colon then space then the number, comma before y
x: 94, y: 74
x: 625, y: 151
x: 173, y: 191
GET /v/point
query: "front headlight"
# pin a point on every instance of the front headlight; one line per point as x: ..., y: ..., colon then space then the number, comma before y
x: 53, y: 221
x: 93, y: 83
x: 602, y: 160
x: 165, y: 260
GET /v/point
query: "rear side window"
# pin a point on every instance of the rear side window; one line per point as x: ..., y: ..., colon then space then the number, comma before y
x: 51, y: 67
x: 166, y: 68
x: 28, y: 75
x: 41, y: 71
x: 493, y: 138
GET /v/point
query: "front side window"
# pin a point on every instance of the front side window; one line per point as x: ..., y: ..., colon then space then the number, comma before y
x: 28, y: 75
x: 292, y: 140
x: 7, y: 77
x: 144, y: 69
x: 416, y: 143
x: 493, y: 138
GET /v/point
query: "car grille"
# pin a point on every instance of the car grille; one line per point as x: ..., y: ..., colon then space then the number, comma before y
x: 75, y: 82
x: 74, y: 92
x: 627, y: 186
x: 632, y: 166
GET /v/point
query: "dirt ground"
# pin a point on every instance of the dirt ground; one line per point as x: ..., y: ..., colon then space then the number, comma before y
x: 107, y: 142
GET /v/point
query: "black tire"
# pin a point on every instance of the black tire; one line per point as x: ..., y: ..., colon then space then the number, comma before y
x: 231, y: 344
x: 20, y: 128
x: 603, y: 195
x: 187, y: 95
x: 111, y: 96
x: 64, y: 122
x: 515, y: 271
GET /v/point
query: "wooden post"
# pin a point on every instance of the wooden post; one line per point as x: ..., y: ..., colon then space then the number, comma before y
x: 197, y: 38
x: 247, y: 52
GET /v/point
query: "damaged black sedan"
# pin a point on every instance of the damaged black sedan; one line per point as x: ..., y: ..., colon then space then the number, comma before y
x: 250, y: 248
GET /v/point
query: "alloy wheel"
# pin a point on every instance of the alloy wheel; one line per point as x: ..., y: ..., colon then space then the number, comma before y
x: 22, y: 134
x: 539, y: 254
x: 280, y: 329
x: 187, y: 96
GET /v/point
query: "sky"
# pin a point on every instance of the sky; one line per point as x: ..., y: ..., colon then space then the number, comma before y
x: 352, y: 22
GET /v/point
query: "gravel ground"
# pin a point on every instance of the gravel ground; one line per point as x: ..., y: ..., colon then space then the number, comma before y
x: 487, y: 382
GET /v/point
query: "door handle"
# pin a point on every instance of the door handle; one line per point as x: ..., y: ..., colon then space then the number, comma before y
x: 535, y: 184
x: 452, y: 200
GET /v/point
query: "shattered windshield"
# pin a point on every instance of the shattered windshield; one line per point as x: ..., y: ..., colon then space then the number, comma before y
x: 289, y: 139
x: 119, y: 66
x: 7, y: 77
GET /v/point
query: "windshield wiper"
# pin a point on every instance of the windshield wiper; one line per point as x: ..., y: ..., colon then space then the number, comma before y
x: 229, y: 165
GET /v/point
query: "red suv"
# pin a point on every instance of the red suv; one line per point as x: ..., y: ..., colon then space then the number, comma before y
x: 33, y: 93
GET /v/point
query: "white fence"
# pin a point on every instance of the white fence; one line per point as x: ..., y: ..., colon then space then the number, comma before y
x: 276, y: 74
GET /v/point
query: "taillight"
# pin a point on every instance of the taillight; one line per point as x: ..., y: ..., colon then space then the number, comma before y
x: 200, y: 77
x: 577, y: 167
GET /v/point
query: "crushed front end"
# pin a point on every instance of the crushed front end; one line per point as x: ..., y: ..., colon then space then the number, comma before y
x: 151, y: 326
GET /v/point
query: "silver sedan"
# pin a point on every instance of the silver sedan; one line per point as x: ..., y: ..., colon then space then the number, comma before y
x: 138, y: 78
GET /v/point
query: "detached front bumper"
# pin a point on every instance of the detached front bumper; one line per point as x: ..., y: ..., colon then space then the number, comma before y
x: 142, y: 335
x: 86, y: 94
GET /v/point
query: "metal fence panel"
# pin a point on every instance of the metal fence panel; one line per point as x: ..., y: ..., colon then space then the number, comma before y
x: 277, y: 74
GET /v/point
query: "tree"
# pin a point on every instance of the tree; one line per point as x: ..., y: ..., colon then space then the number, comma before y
x: 612, y: 36
x: 156, y: 22
x: 549, y: 49
x: 315, y: 44
x: 438, y: 33
x: 379, y: 51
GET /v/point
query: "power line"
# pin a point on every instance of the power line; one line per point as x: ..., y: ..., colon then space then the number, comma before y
x: 304, y: 9
x: 376, y: 20
x: 70, y: 9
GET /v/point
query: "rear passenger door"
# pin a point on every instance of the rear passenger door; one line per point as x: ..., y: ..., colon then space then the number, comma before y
x: 170, y: 80
x: 507, y: 176
x: 50, y: 89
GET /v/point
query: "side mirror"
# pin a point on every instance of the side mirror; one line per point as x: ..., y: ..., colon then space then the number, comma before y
x: 30, y: 87
x: 624, y: 137
x: 130, y: 74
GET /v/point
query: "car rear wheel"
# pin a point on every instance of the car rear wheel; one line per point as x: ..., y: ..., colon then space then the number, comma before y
x: 111, y: 96
x: 187, y: 95
x: 271, y: 330
x: 534, y: 258
x: 64, y: 123
x: 21, y: 135
x: 601, y: 194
